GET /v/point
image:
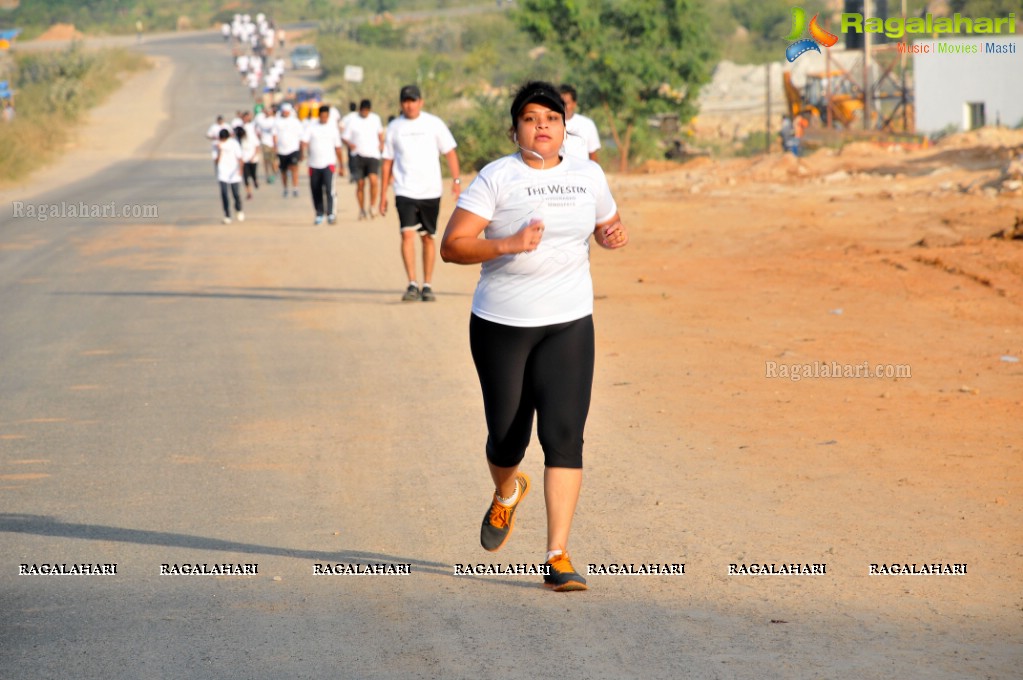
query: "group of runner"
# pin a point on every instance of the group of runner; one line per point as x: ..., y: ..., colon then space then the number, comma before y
x: 274, y: 136
x: 260, y: 36
x: 254, y: 44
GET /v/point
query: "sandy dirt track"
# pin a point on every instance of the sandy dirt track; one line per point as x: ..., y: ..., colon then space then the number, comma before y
x: 334, y: 424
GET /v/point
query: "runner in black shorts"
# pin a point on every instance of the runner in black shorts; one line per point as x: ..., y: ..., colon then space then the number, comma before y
x: 413, y: 145
x: 286, y: 160
x: 419, y: 214
x: 363, y: 169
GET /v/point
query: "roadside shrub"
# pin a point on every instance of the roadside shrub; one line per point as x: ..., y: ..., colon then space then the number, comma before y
x: 482, y: 134
x: 52, y: 91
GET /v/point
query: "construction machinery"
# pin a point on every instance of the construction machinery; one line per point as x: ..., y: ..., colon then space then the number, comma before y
x: 846, y: 99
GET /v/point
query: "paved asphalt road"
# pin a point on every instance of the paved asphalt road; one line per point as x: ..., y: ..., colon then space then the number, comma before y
x: 165, y: 399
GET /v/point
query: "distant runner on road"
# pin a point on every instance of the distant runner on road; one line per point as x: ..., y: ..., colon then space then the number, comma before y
x: 413, y: 145
x: 364, y: 136
x: 230, y: 166
x: 321, y: 144
x: 288, y: 142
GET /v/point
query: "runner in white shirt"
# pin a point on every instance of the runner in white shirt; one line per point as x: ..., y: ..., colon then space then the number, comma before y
x: 229, y: 174
x: 288, y: 142
x: 531, y: 329
x: 321, y: 143
x: 271, y: 80
x: 413, y: 145
x: 249, y: 141
x: 335, y: 118
x: 353, y: 111
x: 252, y: 80
x: 364, y: 137
x: 582, y: 140
x: 264, y: 125
x: 213, y: 134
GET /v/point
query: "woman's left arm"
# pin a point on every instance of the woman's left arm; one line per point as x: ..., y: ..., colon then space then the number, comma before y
x: 612, y: 233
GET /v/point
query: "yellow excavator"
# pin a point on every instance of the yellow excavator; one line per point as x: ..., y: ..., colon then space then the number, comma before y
x: 846, y: 105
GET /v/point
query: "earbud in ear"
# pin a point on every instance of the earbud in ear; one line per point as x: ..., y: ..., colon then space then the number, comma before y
x: 515, y: 137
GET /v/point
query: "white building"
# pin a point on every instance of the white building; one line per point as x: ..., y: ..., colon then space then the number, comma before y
x: 968, y: 82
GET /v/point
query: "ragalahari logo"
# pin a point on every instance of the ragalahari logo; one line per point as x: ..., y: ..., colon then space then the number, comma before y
x: 818, y: 36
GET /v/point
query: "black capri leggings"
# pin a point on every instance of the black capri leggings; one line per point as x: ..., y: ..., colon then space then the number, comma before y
x: 548, y: 370
x: 249, y: 172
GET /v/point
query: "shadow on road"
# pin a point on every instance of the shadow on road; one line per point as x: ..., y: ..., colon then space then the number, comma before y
x: 41, y: 525
x: 271, y: 294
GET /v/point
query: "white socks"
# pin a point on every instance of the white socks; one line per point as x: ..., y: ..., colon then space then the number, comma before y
x: 511, y: 499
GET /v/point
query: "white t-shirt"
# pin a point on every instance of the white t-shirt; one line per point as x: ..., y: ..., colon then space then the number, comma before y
x: 552, y: 284
x: 213, y: 134
x: 289, y: 133
x: 250, y: 146
x: 227, y: 165
x: 363, y: 134
x: 323, y: 139
x: 583, y: 138
x: 345, y: 120
x: 264, y: 125
x: 335, y: 118
x: 414, y: 144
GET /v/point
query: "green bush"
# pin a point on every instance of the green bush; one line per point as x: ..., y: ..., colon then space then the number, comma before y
x: 757, y: 143
x: 383, y: 34
x: 482, y: 135
x: 53, y: 89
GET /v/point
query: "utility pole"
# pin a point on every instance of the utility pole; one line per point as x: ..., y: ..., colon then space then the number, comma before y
x: 767, y: 112
x: 904, y: 96
x: 868, y: 86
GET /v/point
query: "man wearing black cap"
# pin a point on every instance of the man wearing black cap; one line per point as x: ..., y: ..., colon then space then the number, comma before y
x: 412, y: 147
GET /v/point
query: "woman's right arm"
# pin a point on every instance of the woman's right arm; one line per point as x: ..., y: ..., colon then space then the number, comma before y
x: 462, y: 243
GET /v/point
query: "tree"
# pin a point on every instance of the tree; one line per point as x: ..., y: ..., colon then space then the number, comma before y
x: 985, y: 8
x: 630, y: 58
